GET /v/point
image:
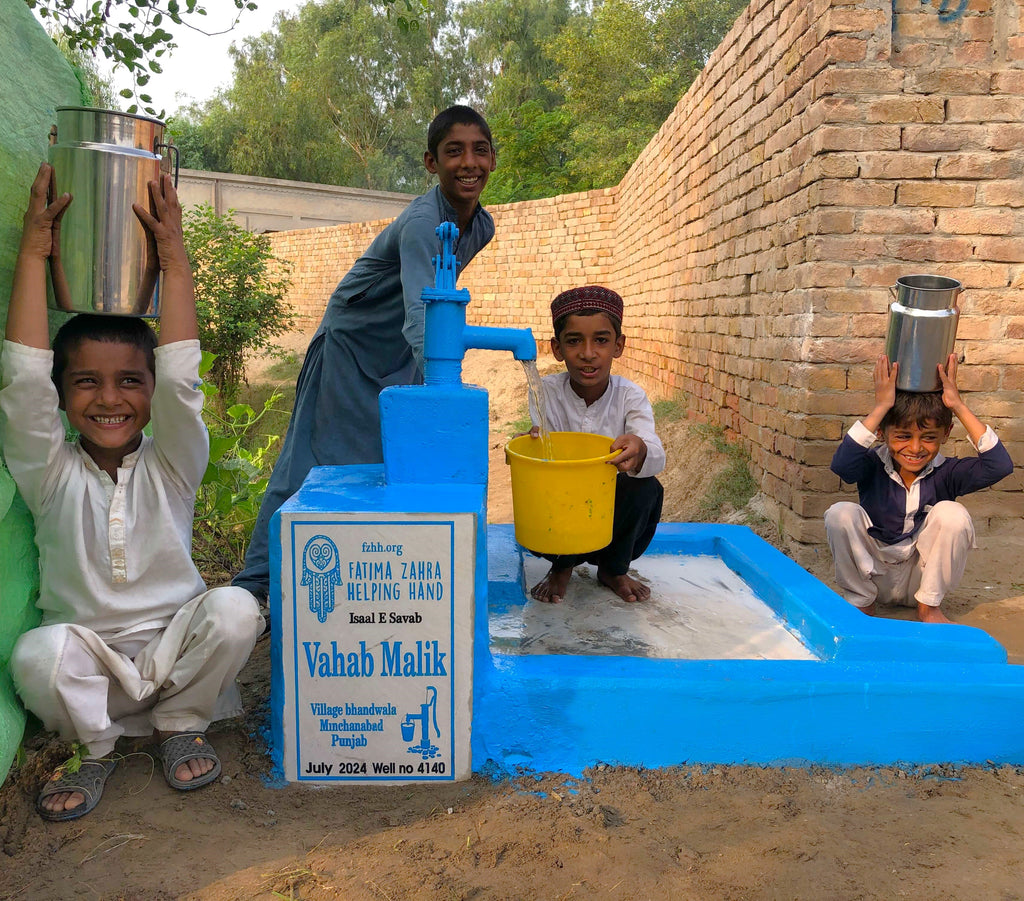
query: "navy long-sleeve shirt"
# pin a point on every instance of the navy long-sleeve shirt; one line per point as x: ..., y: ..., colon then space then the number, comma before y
x: 898, y: 512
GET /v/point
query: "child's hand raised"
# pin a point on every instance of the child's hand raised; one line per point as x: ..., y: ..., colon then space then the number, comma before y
x: 950, y: 393
x: 634, y: 453
x: 163, y: 224
x: 952, y: 399
x: 885, y: 392
x: 40, y: 236
x: 885, y: 382
x: 167, y: 247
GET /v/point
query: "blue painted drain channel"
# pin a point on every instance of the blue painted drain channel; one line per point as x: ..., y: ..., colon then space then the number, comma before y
x: 881, y: 691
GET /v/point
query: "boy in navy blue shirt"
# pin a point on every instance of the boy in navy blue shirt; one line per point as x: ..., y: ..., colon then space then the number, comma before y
x: 907, y: 540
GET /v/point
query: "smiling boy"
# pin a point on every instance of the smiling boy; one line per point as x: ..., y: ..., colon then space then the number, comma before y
x: 371, y: 334
x: 131, y: 641
x: 104, y: 373
x: 588, y: 398
x: 907, y: 540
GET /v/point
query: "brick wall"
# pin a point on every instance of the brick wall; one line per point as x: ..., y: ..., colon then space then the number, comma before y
x: 319, y: 258
x: 826, y: 149
x: 541, y: 248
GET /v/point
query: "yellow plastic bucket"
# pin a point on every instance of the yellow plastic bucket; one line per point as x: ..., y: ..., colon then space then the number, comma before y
x: 565, y: 505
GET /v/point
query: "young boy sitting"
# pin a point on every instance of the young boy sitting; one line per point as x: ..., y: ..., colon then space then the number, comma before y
x: 907, y: 540
x: 588, y: 398
x: 130, y: 640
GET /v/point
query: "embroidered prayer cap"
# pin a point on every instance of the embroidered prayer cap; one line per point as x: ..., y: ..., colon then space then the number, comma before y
x: 589, y: 297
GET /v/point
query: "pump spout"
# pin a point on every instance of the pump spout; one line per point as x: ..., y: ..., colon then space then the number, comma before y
x: 420, y: 423
x: 519, y: 341
x: 446, y: 335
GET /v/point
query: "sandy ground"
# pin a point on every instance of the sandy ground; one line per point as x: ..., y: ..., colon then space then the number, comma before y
x: 719, y: 832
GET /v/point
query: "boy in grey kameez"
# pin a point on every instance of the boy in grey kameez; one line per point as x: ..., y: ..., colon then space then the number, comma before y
x: 371, y: 335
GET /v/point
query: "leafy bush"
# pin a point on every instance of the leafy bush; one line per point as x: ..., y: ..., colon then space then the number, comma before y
x: 240, y: 288
x: 232, y: 490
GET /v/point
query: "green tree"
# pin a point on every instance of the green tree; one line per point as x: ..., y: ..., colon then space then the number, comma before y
x: 130, y: 33
x: 265, y: 125
x: 623, y: 70
x: 240, y: 288
x: 202, y: 141
x: 339, y: 92
x: 535, y: 147
x: 516, y: 80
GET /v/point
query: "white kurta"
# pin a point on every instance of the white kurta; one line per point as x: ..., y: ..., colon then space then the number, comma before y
x: 130, y: 636
x: 920, y: 569
x: 115, y: 558
x: 623, y: 408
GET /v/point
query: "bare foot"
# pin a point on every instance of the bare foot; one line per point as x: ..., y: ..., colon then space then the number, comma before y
x: 629, y: 589
x: 551, y: 589
x: 191, y: 769
x: 870, y: 610
x: 929, y: 614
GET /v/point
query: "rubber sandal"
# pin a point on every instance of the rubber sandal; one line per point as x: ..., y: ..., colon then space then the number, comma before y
x: 182, y: 748
x: 88, y: 780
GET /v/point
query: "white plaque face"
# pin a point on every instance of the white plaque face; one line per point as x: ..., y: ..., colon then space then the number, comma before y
x: 377, y: 637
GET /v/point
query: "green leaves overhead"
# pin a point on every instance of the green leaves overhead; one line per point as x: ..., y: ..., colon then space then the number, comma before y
x: 342, y: 91
x: 129, y: 33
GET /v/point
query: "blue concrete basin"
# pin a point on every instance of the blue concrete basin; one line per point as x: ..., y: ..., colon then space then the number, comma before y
x: 880, y: 691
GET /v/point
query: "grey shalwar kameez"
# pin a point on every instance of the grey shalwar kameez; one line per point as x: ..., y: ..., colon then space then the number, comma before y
x: 371, y: 336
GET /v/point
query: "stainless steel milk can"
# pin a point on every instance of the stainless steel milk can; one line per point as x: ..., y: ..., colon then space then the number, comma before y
x: 922, y: 328
x: 104, y: 159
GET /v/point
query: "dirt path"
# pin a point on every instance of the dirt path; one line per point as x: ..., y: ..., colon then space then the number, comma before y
x: 702, y: 833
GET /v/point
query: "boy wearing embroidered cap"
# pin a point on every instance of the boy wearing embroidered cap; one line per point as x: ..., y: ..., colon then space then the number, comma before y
x: 588, y: 398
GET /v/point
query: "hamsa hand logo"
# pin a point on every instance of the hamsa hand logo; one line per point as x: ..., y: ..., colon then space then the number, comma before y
x: 321, y: 571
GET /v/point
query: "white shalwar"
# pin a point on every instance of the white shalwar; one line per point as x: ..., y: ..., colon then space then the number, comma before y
x: 919, y: 569
x: 130, y: 640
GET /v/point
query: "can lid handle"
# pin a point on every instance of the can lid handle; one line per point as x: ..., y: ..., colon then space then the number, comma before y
x: 172, y: 151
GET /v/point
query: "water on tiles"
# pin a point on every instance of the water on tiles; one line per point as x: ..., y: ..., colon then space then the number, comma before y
x: 699, y: 609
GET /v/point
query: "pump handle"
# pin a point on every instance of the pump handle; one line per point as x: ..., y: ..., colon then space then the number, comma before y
x: 446, y: 267
x: 432, y: 703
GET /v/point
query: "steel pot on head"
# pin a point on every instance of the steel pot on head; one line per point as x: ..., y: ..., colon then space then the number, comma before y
x: 105, y: 262
x: 922, y: 328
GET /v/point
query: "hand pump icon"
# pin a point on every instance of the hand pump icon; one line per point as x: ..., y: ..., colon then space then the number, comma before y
x: 427, y: 712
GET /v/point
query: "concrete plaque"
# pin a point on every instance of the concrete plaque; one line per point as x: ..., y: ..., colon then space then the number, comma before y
x: 376, y: 636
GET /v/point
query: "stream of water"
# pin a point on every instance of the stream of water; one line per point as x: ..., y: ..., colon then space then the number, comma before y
x: 537, y: 402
